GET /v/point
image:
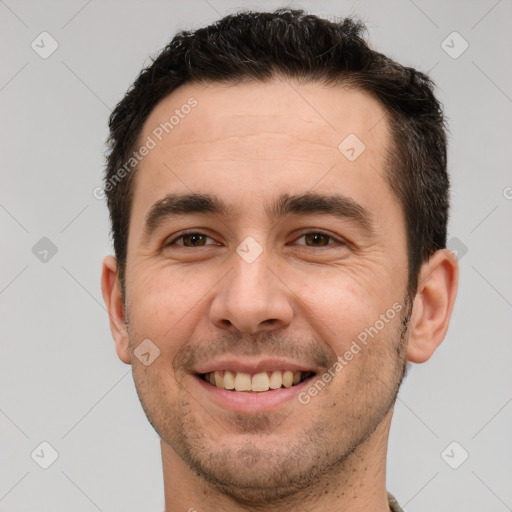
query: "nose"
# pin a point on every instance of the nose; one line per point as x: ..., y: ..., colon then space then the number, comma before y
x: 252, y: 298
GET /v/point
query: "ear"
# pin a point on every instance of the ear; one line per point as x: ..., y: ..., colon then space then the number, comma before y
x: 433, y: 304
x: 111, y: 290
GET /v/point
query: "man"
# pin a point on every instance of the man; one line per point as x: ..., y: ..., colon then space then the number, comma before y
x: 279, y: 201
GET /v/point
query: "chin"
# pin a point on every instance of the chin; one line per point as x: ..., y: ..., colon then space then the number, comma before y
x: 255, y: 470
x: 253, y: 479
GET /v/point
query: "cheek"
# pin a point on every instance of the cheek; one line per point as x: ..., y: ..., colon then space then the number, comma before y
x: 159, y: 392
x: 341, y: 306
x: 164, y: 306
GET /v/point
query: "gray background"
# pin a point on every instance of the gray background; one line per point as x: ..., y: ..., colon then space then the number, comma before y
x: 61, y: 381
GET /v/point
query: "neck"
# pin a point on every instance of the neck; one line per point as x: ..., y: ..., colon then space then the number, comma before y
x: 358, y: 485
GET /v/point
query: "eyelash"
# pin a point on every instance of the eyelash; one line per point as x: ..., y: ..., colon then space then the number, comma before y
x: 186, y: 233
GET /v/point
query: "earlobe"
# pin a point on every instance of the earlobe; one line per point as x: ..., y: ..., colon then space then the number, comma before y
x: 111, y: 290
x: 433, y: 304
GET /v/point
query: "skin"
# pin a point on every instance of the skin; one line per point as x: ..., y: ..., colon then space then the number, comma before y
x: 249, y: 143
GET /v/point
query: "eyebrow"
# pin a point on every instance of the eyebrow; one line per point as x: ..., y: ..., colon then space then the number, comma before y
x: 310, y: 203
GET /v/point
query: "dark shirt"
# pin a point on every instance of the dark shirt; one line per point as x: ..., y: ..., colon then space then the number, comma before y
x: 393, y: 504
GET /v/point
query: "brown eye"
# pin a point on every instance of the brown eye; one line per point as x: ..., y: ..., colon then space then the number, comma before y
x: 317, y: 239
x: 193, y: 239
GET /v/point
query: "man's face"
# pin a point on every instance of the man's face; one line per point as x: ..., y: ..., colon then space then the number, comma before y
x: 293, y: 296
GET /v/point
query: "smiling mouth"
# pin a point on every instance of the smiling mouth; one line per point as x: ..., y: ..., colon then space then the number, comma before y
x: 255, y: 382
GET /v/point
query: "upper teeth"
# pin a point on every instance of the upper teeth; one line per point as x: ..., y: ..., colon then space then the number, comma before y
x: 263, y: 381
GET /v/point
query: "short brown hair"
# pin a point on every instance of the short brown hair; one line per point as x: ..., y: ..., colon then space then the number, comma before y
x: 291, y: 44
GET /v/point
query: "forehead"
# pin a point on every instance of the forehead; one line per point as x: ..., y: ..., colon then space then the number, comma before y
x: 261, y: 140
x: 314, y: 112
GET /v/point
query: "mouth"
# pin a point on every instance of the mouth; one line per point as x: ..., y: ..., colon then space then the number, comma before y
x: 261, y: 382
x: 250, y: 386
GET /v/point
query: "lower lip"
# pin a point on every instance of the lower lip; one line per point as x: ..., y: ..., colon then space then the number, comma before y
x: 243, y: 401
